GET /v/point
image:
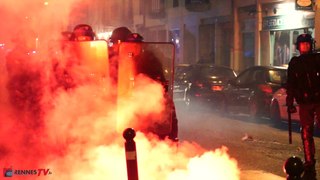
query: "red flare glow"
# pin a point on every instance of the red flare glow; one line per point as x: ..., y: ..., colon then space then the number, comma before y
x: 74, y: 133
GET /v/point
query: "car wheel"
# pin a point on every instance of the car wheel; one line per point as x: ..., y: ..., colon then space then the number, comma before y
x: 188, y: 102
x: 275, y: 112
x: 223, y: 110
x: 253, y: 109
x: 316, y: 128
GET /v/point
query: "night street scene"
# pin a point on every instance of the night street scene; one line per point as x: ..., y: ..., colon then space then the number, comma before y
x: 159, y: 89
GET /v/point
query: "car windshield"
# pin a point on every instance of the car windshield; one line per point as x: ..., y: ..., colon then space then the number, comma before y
x: 181, y: 73
x: 277, y: 76
x: 206, y: 71
x: 181, y: 70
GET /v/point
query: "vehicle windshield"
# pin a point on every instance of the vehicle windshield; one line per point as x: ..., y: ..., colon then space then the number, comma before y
x: 277, y: 76
x: 181, y: 72
x: 206, y: 71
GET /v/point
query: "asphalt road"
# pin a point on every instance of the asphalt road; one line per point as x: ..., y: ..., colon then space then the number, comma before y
x: 255, y: 144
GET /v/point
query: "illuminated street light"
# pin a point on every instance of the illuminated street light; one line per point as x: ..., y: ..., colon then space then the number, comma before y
x: 285, y: 9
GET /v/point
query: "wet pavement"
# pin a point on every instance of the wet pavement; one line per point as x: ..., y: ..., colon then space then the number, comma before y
x: 261, y: 175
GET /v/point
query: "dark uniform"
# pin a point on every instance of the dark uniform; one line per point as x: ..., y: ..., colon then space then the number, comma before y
x: 118, y: 35
x: 62, y: 67
x: 303, y: 85
x: 147, y: 64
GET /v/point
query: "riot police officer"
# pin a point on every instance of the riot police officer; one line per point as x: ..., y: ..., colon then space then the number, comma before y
x: 83, y: 32
x: 147, y: 64
x: 62, y: 67
x: 118, y: 35
x: 303, y: 85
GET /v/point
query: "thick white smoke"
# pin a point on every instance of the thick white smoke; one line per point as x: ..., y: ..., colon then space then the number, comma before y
x: 74, y: 132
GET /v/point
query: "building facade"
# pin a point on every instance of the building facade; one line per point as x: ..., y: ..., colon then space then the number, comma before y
x: 281, y: 23
x: 201, y: 30
x: 234, y: 33
x: 266, y: 30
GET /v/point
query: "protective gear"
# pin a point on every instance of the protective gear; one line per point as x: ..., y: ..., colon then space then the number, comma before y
x: 303, y: 79
x: 293, y: 167
x: 146, y: 59
x: 304, y: 38
x: 134, y: 37
x: 291, y: 109
x: 303, y: 85
x: 309, y: 152
x: 83, y: 32
x: 119, y: 34
x: 174, y: 132
x: 149, y: 64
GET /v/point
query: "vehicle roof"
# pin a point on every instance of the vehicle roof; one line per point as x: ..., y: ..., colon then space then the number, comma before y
x: 266, y: 68
x: 183, y: 65
x: 211, y: 66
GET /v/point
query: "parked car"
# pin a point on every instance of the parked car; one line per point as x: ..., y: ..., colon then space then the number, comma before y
x: 251, y: 92
x: 206, y: 81
x: 181, y: 82
x: 278, y: 108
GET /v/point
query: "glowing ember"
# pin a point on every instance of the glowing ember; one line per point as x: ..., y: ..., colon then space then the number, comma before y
x: 62, y: 134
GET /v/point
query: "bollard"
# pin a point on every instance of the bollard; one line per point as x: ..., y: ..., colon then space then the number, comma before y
x: 293, y: 167
x: 131, y: 154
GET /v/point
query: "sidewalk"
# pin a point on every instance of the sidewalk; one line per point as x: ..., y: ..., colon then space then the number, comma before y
x: 259, y: 175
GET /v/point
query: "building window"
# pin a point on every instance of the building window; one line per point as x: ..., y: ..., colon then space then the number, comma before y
x: 175, y: 3
x: 156, y: 8
x: 282, y: 48
x: 197, y: 5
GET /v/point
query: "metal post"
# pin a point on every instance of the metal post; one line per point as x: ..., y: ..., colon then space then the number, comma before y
x: 289, y: 127
x: 131, y: 154
x: 317, y: 24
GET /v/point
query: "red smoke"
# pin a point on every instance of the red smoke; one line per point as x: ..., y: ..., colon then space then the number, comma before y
x: 75, y: 132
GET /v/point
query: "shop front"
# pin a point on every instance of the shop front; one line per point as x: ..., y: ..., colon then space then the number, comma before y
x: 282, y: 23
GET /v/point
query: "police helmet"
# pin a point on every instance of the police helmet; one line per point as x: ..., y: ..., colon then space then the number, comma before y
x: 134, y: 37
x: 83, y: 32
x: 119, y: 34
x: 304, y: 38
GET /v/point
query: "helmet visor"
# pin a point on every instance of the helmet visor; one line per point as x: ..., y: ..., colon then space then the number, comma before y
x: 304, y: 47
x: 83, y: 38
